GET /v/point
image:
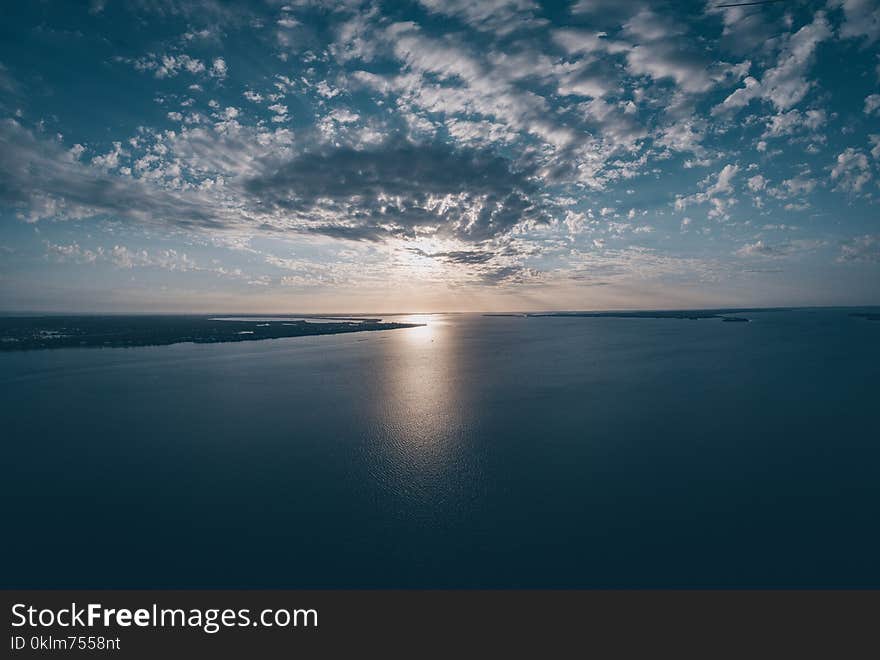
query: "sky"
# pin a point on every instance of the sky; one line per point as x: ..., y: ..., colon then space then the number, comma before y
x: 438, y: 155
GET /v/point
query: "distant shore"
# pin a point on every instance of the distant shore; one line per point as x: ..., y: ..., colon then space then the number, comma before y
x: 47, y: 332
x: 733, y: 315
x: 689, y: 314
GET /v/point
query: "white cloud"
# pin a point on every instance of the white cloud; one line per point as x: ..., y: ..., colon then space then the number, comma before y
x: 862, y: 248
x: 872, y: 104
x: 862, y: 19
x: 73, y: 252
x: 761, y: 249
x: 875, y: 149
x: 788, y: 123
x: 661, y: 60
x: 851, y: 171
x: 796, y: 186
x: 719, y: 193
x: 498, y: 16
x: 756, y: 183
x: 168, y: 66
x: 279, y: 112
x: 126, y: 258
x: 110, y: 160
x: 579, y: 42
x: 218, y: 68
x: 785, y: 84
x: 649, y: 26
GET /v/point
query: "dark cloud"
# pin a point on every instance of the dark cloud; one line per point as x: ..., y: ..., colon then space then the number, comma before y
x: 469, y: 257
x: 493, y: 266
x: 509, y: 275
x: 587, y: 280
x: 399, y: 189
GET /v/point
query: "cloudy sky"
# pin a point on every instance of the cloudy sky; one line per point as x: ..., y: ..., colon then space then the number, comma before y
x: 438, y: 155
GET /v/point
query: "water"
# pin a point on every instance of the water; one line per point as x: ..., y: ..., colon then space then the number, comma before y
x: 475, y: 451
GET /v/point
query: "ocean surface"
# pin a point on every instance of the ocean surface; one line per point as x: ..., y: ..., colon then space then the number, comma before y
x: 473, y: 452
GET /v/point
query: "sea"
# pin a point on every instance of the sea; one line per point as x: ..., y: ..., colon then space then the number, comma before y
x: 472, y: 452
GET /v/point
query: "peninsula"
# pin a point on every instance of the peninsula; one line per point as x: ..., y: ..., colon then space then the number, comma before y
x: 41, y: 332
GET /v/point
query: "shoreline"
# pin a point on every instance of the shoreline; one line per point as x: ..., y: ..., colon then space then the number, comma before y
x: 47, y: 333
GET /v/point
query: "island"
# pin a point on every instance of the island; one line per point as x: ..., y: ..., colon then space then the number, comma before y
x: 868, y: 316
x: 19, y: 333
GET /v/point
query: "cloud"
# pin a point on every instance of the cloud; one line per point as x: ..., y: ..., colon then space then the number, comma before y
x: 646, y: 25
x: 719, y: 193
x: 760, y: 249
x: 611, y: 10
x: 797, y: 186
x: 577, y: 41
x: 73, y: 252
x: 785, y: 84
x: 860, y: 249
x: 851, y: 171
x: 663, y: 60
x: 8, y: 84
x: 861, y: 19
x: 218, y: 68
x: 168, y: 66
x: 510, y: 275
x: 488, y: 266
x: 498, y: 16
x: 468, y: 257
x: 756, y: 183
x: 471, y: 84
x: 123, y: 257
x: 209, y: 12
x: 874, y: 140
x: 640, y: 264
x: 747, y: 32
x: 793, y: 121
x: 524, y: 133
x: 400, y: 189
x: 110, y: 160
x: 280, y: 112
x: 42, y: 180
x: 659, y: 51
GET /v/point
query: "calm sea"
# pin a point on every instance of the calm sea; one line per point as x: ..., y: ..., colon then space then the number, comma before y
x: 476, y: 451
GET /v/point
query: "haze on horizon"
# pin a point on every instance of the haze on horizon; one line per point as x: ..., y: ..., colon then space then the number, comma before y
x: 504, y: 155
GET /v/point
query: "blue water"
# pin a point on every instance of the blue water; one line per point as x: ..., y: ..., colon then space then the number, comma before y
x: 476, y: 451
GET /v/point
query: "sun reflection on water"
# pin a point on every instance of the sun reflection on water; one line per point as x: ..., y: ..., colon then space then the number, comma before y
x: 421, y: 415
x: 424, y: 333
